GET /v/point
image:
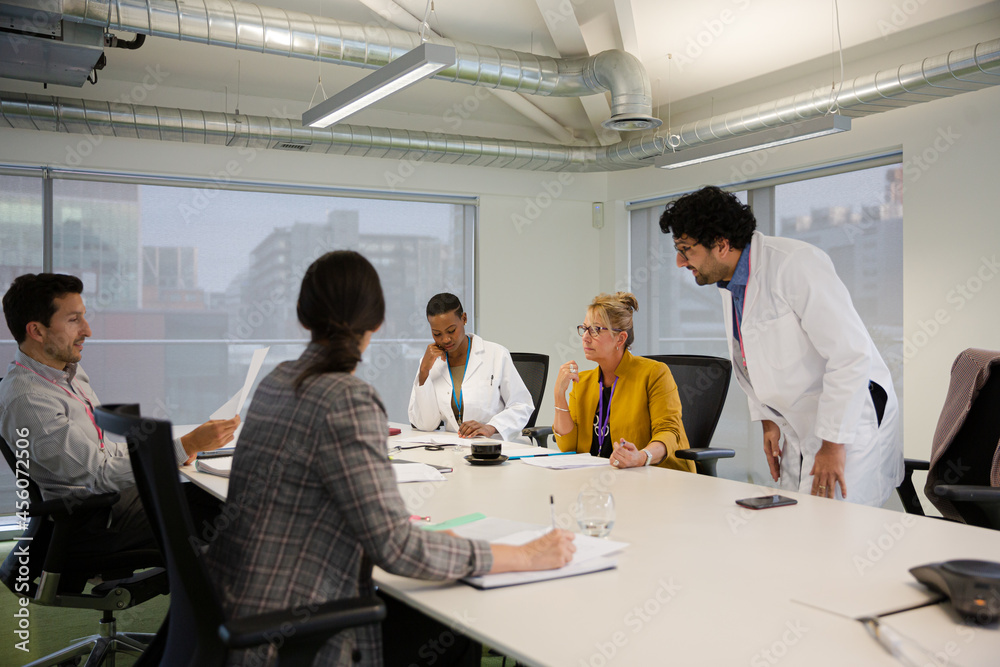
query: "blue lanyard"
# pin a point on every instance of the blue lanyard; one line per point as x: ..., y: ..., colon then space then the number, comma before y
x: 451, y: 375
x: 604, y: 418
x: 738, y: 315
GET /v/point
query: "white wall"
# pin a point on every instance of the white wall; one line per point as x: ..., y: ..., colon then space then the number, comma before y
x: 951, y: 235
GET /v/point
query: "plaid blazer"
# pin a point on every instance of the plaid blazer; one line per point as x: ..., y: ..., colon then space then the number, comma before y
x: 312, y: 498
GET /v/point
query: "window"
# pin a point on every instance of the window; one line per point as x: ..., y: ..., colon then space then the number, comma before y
x: 182, y: 283
x: 855, y: 217
x: 20, y: 252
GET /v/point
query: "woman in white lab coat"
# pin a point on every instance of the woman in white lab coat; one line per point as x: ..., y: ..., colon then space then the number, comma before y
x: 468, y: 383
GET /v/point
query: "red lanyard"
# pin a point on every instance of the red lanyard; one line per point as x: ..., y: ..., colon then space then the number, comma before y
x: 85, y: 403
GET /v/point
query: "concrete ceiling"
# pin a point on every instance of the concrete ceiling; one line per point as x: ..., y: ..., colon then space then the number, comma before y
x: 715, y: 47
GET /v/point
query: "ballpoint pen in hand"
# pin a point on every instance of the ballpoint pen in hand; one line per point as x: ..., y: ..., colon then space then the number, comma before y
x: 552, y: 510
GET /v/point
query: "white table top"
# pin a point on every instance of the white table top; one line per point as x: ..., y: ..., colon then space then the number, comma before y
x: 704, y: 582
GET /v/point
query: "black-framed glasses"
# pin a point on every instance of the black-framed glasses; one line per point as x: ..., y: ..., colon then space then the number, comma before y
x: 683, y: 250
x: 594, y: 331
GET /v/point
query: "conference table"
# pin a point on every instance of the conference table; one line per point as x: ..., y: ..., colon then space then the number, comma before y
x: 703, y: 580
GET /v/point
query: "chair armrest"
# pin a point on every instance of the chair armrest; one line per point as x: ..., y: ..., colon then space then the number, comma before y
x: 301, y: 624
x: 704, y: 453
x: 968, y: 493
x: 540, y: 434
x: 909, y: 465
x: 61, y: 508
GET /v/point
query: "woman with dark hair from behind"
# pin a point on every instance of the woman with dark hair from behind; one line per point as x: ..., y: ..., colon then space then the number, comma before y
x: 312, y: 499
x: 466, y: 382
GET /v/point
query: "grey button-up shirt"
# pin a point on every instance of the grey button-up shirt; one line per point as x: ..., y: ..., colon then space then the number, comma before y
x: 66, y: 453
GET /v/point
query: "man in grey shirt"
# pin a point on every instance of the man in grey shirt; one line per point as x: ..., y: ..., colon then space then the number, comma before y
x: 46, y: 398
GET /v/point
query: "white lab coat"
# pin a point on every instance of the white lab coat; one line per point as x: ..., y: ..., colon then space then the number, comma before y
x: 492, y: 393
x: 810, y: 359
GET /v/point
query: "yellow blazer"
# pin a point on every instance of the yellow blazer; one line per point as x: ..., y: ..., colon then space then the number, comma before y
x: 645, y: 407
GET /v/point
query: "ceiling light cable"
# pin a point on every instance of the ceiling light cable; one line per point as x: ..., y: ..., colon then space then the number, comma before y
x: 423, y: 25
x: 673, y: 140
x: 835, y: 88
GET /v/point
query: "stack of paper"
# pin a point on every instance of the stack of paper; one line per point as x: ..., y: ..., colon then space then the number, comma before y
x: 591, y: 552
x: 217, y: 465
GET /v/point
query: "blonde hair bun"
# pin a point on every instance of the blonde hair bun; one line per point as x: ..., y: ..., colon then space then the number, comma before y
x: 628, y: 300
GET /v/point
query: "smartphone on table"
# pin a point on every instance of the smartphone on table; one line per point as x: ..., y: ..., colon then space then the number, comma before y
x: 764, y: 502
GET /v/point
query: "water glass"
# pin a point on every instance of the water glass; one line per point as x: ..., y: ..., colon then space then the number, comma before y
x: 596, y: 512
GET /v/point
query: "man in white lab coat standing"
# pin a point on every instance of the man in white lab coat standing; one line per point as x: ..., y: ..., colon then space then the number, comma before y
x: 800, y: 351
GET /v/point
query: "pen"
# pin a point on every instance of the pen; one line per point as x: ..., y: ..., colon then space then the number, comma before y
x: 531, y: 456
x: 417, y: 517
x: 552, y: 510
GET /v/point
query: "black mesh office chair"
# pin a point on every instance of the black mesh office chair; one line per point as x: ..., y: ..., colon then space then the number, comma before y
x: 534, y: 371
x: 703, y: 383
x: 196, y: 631
x: 56, y: 577
x: 959, y: 481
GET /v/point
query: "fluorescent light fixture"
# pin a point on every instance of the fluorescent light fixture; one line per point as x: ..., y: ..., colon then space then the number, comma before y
x: 412, y: 66
x: 755, y: 141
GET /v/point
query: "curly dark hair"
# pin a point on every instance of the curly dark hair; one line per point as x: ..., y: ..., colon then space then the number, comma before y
x: 708, y: 216
x: 31, y: 298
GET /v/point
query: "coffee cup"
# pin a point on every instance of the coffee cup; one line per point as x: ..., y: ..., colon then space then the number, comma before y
x: 486, y: 450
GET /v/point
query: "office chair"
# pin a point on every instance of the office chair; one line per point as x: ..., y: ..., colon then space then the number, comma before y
x: 534, y: 371
x: 703, y: 383
x: 197, y: 631
x: 56, y: 577
x: 959, y: 481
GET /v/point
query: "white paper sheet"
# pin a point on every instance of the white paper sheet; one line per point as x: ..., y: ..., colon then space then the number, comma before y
x: 416, y: 472
x: 255, y: 365
x: 234, y: 405
x: 587, y: 547
x: 566, y: 462
x: 591, y: 552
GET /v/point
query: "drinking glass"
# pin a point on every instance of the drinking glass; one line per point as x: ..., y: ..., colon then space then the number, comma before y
x: 596, y: 513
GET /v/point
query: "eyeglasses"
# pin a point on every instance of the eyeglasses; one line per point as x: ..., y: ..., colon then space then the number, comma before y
x: 594, y: 331
x: 683, y: 250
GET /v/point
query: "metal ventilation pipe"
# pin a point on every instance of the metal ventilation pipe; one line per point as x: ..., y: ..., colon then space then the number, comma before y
x: 956, y: 72
x: 945, y: 75
x: 243, y: 25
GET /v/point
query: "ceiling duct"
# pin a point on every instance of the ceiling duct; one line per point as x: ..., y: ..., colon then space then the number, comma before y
x: 953, y: 73
x: 37, y: 45
x: 243, y: 25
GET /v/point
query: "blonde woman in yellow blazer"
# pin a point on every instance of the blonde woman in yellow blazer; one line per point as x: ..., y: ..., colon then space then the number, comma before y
x: 627, y: 409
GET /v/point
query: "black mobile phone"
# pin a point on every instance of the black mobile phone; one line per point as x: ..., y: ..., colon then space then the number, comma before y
x: 763, y: 502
